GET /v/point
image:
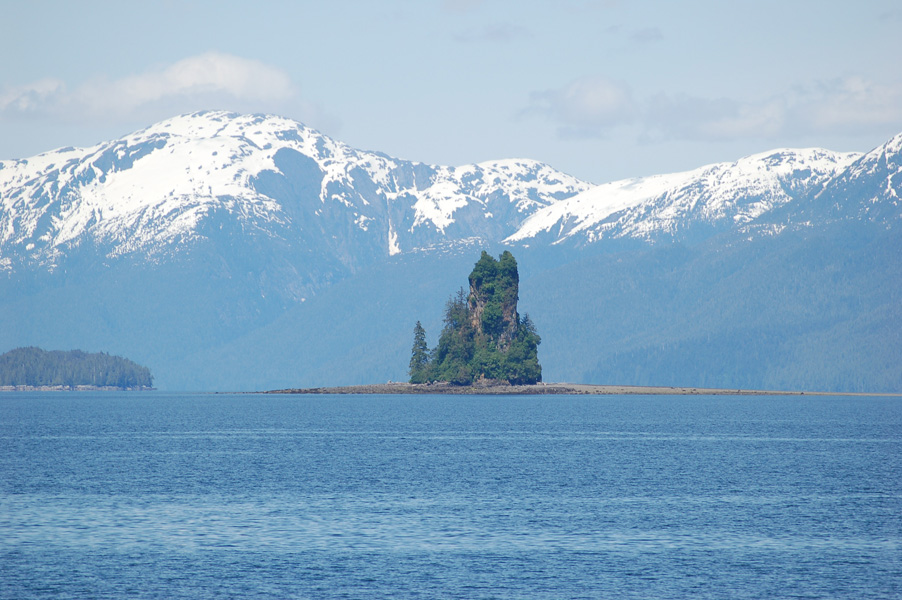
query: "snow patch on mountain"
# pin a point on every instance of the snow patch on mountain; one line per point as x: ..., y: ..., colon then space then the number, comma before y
x: 870, y: 189
x: 723, y: 194
x: 151, y: 192
x: 221, y: 178
x: 567, y: 218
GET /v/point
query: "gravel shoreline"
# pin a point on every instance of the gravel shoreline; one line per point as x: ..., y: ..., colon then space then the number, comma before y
x: 537, y: 389
x: 73, y: 388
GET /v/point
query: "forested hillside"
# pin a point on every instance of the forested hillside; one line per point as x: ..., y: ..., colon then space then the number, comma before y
x: 283, y: 258
x: 35, y: 367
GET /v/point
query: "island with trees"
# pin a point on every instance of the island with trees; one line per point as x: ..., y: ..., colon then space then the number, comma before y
x: 33, y: 368
x: 484, y: 338
x: 487, y: 348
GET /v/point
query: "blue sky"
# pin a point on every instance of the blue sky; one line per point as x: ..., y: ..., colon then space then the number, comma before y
x: 601, y: 90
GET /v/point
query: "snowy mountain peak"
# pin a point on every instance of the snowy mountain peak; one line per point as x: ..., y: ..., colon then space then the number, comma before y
x: 173, y: 184
x: 234, y: 250
x: 715, y: 196
x: 220, y: 181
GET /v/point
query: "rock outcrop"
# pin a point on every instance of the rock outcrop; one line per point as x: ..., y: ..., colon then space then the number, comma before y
x: 484, y: 338
x: 494, y: 292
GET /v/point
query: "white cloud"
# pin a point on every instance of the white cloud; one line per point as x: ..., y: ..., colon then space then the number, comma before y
x: 847, y: 105
x: 647, y: 35
x: 690, y: 118
x: 210, y: 80
x: 495, y: 32
x: 30, y: 97
x: 587, y: 107
x: 593, y: 107
x: 210, y: 74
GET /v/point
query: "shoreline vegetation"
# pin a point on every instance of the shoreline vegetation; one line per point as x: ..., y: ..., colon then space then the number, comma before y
x: 35, y: 369
x: 564, y: 389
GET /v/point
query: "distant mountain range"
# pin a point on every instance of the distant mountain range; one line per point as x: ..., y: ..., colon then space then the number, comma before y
x: 214, y: 181
x: 232, y: 251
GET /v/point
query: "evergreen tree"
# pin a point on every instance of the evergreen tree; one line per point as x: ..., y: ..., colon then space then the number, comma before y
x: 484, y: 273
x: 419, y: 356
x: 521, y: 362
x: 454, y: 352
x: 508, y: 277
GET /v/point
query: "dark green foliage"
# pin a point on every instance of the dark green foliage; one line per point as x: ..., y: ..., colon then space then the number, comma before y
x: 485, y: 271
x: 483, y: 336
x: 419, y: 356
x: 521, y: 363
x: 508, y: 277
x: 492, y: 318
x: 454, y: 352
x: 35, y: 367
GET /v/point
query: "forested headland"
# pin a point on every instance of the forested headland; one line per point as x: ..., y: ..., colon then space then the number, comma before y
x: 484, y: 337
x: 33, y: 367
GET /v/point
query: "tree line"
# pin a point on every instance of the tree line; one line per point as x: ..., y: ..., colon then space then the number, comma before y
x: 35, y: 367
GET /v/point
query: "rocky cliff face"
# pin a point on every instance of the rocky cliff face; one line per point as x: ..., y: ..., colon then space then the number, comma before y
x: 494, y: 292
x: 484, y: 337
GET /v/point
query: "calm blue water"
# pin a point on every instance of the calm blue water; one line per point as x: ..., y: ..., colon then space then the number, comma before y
x: 247, y: 496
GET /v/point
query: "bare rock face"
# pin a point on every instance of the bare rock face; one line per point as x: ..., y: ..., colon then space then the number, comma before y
x: 494, y: 292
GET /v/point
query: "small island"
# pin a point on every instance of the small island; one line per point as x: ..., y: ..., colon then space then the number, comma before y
x: 31, y: 368
x: 486, y: 348
x: 484, y: 338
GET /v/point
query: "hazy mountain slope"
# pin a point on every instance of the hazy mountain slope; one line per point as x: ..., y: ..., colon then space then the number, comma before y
x: 244, y: 252
x: 813, y: 310
x: 870, y: 189
x: 801, y: 312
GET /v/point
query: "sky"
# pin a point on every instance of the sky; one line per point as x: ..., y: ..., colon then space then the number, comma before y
x: 602, y: 90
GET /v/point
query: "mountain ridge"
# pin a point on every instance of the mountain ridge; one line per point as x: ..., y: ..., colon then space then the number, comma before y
x: 156, y: 189
x: 653, y: 207
x: 234, y: 251
x: 150, y: 190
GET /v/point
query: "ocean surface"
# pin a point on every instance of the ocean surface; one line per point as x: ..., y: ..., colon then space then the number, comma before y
x: 155, y: 495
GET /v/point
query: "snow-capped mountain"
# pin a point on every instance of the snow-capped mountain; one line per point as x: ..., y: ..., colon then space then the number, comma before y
x: 870, y: 189
x: 233, y: 251
x: 158, y: 192
x: 214, y: 180
x: 680, y: 206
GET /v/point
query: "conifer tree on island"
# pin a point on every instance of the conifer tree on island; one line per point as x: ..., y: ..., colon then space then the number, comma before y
x: 484, y: 337
x: 419, y: 358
